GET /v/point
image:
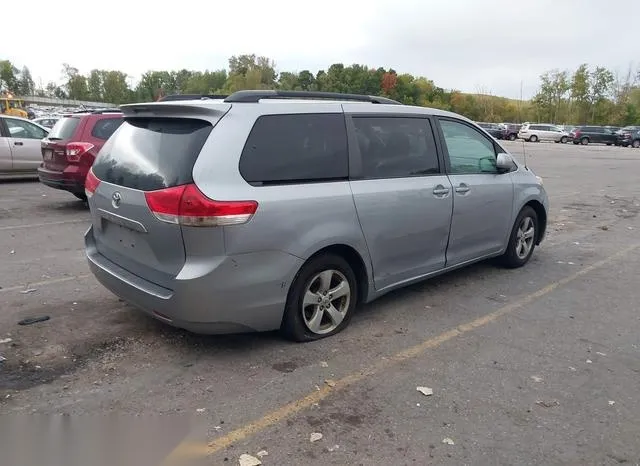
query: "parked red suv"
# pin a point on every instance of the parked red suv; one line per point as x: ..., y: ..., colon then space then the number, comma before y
x: 71, y: 147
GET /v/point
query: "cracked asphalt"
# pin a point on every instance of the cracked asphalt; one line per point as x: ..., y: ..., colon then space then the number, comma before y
x: 539, y: 365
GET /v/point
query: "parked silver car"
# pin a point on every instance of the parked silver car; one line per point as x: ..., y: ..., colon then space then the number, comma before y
x: 273, y: 209
x: 20, y: 153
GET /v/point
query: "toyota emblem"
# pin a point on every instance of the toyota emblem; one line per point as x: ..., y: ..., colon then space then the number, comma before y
x: 116, y: 198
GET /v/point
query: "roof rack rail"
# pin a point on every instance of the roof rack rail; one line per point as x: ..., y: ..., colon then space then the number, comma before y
x: 256, y: 96
x: 173, y: 97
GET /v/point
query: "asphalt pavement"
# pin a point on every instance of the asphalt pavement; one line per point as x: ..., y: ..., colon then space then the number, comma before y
x: 539, y: 365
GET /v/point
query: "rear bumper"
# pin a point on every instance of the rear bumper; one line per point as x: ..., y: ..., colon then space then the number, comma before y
x: 224, y: 295
x: 70, y: 179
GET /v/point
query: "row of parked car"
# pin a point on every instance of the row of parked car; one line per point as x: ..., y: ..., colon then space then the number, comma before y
x: 61, y: 156
x: 63, y: 153
x: 534, y: 132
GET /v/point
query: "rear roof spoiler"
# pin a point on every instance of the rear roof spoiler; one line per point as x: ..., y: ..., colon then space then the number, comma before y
x: 170, y: 108
x: 174, y: 97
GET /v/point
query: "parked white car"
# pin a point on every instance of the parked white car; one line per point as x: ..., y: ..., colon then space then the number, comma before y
x: 20, y: 149
x: 534, y: 132
x: 47, y: 121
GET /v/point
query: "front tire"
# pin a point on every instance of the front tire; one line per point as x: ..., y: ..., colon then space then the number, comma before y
x: 512, y: 137
x: 564, y: 139
x: 522, y: 241
x: 322, y: 299
x: 533, y: 138
x: 636, y: 144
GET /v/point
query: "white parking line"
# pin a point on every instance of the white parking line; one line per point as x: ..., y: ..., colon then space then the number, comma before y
x: 53, y: 281
x: 38, y: 225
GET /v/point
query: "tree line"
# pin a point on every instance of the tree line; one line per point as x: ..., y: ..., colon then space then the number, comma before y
x: 588, y: 96
x: 585, y: 96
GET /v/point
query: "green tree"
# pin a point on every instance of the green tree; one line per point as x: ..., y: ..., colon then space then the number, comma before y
x: 580, y: 93
x: 152, y: 83
x: 26, y: 86
x: 306, y: 80
x: 95, y: 88
x: 289, y: 81
x: 8, y: 76
x: 600, y: 86
x: 76, y: 84
x: 115, y: 88
x: 250, y: 72
x: 551, y: 98
x: 55, y: 91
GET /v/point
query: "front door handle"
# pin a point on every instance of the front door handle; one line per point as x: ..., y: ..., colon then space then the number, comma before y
x: 440, y: 190
x: 18, y: 143
x: 462, y: 188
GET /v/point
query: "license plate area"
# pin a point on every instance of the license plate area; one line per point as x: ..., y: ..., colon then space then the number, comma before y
x: 48, y: 155
x: 119, y: 236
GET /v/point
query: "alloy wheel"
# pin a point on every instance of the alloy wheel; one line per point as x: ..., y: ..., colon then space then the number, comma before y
x: 524, y: 237
x: 326, y: 301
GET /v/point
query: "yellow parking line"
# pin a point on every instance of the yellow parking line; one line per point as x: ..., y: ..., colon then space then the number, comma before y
x: 312, y: 398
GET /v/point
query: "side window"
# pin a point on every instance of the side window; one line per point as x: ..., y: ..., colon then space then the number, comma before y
x: 469, y: 150
x: 103, y: 129
x: 24, y: 129
x: 396, y: 147
x: 296, y: 148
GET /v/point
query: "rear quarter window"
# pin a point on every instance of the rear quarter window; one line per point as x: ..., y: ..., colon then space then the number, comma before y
x: 296, y: 148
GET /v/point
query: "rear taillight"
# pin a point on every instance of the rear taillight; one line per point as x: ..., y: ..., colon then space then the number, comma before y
x: 91, y: 183
x: 186, y: 205
x: 75, y: 150
x: 576, y: 132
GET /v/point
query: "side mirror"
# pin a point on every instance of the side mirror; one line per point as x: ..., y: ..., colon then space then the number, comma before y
x: 504, y: 162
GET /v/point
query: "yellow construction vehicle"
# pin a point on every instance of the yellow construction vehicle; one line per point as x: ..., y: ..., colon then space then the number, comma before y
x: 9, y: 105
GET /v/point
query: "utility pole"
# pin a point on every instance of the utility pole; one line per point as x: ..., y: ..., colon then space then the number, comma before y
x: 520, y: 104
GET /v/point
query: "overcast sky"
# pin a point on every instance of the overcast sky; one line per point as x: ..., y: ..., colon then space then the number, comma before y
x: 470, y: 45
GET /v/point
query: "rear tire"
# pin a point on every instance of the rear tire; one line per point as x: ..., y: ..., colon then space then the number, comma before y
x: 322, y: 313
x: 81, y: 196
x: 636, y: 143
x: 512, y: 137
x: 564, y: 139
x: 533, y: 138
x: 522, y: 241
x: 584, y: 141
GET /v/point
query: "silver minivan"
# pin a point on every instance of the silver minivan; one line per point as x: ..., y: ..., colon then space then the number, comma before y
x: 541, y: 132
x: 285, y: 209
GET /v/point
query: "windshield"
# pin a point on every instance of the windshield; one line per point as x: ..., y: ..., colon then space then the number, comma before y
x: 15, y: 104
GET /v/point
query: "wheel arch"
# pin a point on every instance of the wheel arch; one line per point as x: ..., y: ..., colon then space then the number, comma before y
x: 355, y: 261
x: 541, y: 213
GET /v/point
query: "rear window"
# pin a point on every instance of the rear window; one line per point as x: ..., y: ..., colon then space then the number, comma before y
x: 103, y: 129
x: 296, y: 148
x: 152, y: 153
x: 64, y: 128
